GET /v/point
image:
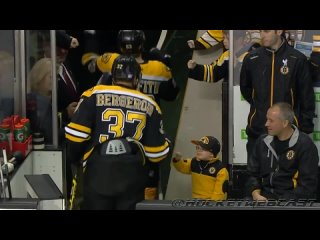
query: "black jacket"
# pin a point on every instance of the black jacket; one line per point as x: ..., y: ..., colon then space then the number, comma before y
x: 292, y: 174
x: 64, y: 99
x: 268, y: 77
x: 315, y: 68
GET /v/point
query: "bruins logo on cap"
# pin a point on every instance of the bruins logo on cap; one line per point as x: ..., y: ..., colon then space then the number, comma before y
x: 212, y: 170
x: 284, y: 69
x: 205, y: 140
x: 290, y: 154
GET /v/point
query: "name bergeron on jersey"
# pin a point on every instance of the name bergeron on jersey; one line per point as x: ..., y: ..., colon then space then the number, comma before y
x: 124, y: 101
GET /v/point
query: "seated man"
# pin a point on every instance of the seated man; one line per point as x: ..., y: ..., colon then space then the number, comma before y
x: 284, y: 163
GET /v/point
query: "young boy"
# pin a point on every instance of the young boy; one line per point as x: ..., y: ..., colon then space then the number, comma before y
x: 209, y: 177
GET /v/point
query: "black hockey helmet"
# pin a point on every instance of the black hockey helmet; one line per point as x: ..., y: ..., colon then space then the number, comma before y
x: 131, y: 41
x: 126, y: 69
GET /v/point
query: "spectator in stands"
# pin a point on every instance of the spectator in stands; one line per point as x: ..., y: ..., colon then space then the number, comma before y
x: 284, y: 162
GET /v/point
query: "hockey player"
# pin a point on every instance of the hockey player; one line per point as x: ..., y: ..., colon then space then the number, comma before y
x: 118, y: 131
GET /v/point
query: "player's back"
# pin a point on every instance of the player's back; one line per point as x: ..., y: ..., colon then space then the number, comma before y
x: 119, y: 112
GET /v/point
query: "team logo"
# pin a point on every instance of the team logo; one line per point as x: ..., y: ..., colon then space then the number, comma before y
x: 284, y: 69
x: 212, y: 170
x: 106, y: 57
x: 290, y: 154
x: 205, y: 140
x: 129, y: 46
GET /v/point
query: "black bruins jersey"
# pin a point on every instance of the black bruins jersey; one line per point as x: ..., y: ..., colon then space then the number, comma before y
x: 157, y: 81
x: 212, y: 72
x: 209, y: 178
x: 108, y: 112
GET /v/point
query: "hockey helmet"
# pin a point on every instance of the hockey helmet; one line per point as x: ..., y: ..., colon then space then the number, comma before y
x: 131, y: 41
x: 126, y: 69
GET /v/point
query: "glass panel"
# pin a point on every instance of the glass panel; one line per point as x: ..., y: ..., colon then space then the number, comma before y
x: 39, y: 83
x: 6, y: 73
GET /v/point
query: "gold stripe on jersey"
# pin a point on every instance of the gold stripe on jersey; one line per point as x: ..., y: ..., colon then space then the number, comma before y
x: 295, y: 179
x: 87, y: 57
x: 155, y: 70
x: 74, y: 138
x: 210, y: 73
x: 87, y: 93
x: 203, y: 42
x: 205, y: 72
x: 224, y: 57
x: 87, y: 154
x: 156, y: 149
x: 77, y: 133
x: 211, y: 38
x: 157, y: 153
x: 105, y: 61
x: 79, y: 127
x: 125, y: 92
x: 216, y: 34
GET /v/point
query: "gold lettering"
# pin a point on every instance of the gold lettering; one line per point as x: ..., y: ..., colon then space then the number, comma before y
x: 136, y: 103
x: 150, y: 109
x: 129, y: 102
x: 150, y: 85
x: 143, y: 105
x: 145, y: 87
x: 99, y: 100
x: 156, y: 87
x: 115, y: 100
x: 122, y: 101
x: 107, y: 100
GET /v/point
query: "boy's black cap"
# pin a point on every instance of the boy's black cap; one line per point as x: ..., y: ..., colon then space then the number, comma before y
x: 208, y: 143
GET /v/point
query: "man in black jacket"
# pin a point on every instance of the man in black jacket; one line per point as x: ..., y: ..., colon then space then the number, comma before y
x: 275, y: 73
x: 284, y: 163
